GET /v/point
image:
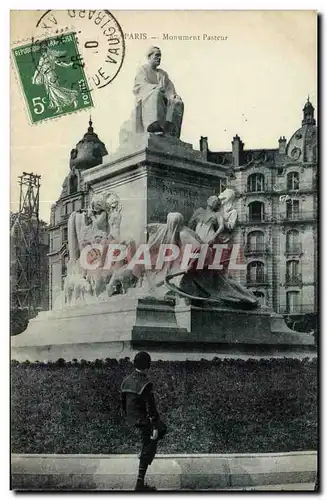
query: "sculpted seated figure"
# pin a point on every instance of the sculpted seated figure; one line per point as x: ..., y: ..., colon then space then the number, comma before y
x: 216, y: 222
x: 158, y: 108
x: 204, y: 285
x: 208, y: 223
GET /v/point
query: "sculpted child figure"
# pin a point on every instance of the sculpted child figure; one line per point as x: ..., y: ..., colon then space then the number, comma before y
x: 208, y: 223
x: 96, y: 219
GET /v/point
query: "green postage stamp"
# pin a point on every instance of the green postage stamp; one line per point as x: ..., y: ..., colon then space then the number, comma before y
x: 52, y: 77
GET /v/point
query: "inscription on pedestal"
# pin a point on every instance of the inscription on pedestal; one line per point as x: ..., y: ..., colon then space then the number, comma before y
x: 166, y: 195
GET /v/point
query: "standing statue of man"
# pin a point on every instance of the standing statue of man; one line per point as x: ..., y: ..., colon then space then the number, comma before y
x: 158, y: 108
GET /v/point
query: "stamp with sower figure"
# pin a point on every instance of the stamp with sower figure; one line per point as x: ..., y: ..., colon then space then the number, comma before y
x: 71, y: 54
x: 52, y: 77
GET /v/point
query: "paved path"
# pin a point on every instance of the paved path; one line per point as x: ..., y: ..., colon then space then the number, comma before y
x: 168, y: 472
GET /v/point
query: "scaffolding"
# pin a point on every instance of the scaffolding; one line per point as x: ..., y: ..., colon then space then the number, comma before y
x: 25, y: 247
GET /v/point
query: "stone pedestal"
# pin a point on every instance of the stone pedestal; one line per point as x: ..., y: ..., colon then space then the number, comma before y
x: 123, y: 325
x: 156, y: 176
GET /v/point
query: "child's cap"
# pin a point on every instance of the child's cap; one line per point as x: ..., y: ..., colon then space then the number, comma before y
x: 142, y: 360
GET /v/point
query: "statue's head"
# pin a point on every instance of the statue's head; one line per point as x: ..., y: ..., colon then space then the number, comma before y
x: 154, y: 56
x: 98, y: 238
x: 112, y: 202
x: 97, y: 203
x: 44, y: 48
x: 214, y: 203
x: 227, y: 196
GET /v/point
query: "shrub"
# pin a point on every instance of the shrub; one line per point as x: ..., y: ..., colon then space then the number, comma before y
x: 219, y: 406
x: 18, y: 321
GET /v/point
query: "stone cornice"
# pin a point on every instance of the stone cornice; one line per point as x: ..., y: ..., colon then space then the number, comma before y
x: 160, y: 151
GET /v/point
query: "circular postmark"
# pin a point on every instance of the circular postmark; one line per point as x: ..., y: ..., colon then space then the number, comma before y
x: 100, y: 45
x: 70, y: 56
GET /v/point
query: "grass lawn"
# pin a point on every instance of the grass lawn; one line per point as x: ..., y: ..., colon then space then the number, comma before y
x: 219, y: 406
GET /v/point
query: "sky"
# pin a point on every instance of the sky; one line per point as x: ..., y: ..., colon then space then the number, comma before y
x: 254, y: 83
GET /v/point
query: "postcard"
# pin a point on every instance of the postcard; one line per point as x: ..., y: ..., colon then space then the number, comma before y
x: 164, y: 250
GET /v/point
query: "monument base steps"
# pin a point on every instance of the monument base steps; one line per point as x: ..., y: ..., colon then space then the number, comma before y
x: 122, y: 326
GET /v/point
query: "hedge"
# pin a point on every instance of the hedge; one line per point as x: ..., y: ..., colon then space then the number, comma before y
x: 18, y: 321
x: 219, y: 406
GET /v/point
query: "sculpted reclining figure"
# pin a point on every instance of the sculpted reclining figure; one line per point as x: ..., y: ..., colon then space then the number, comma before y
x: 214, y: 224
x: 158, y: 108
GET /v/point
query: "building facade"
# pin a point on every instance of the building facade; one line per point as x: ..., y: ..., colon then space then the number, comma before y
x: 88, y: 153
x: 276, y: 192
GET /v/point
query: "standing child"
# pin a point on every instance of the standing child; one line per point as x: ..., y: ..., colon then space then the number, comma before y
x: 140, y: 409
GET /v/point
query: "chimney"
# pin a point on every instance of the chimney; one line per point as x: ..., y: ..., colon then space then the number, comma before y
x: 237, y: 150
x: 204, y: 145
x: 282, y: 145
x: 52, y: 214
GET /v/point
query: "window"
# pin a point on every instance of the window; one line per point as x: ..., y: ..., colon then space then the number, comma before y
x: 64, y: 234
x: 256, y: 211
x: 255, y: 241
x: 293, y: 267
x: 293, y: 181
x: 256, y: 273
x: 292, y: 302
x: 293, y: 241
x: 292, y: 209
x: 73, y: 183
x: 256, y: 183
x: 293, y: 272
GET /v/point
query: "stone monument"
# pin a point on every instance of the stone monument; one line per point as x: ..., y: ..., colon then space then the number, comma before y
x: 158, y: 108
x: 145, y: 194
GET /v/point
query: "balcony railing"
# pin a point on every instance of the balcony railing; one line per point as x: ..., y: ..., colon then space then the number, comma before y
x: 257, y: 280
x: 261, y: 189
x: 254, y: 218
x: 291, y: 190
x: 281, y: 218
x: 298, y: 216
x: 255, y: 249
x: 294, y: 249
x: 293, y: 280
x: 292, y: 216
x: 297, y: 309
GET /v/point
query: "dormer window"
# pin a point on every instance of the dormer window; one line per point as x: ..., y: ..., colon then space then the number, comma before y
x: 73, y: 184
